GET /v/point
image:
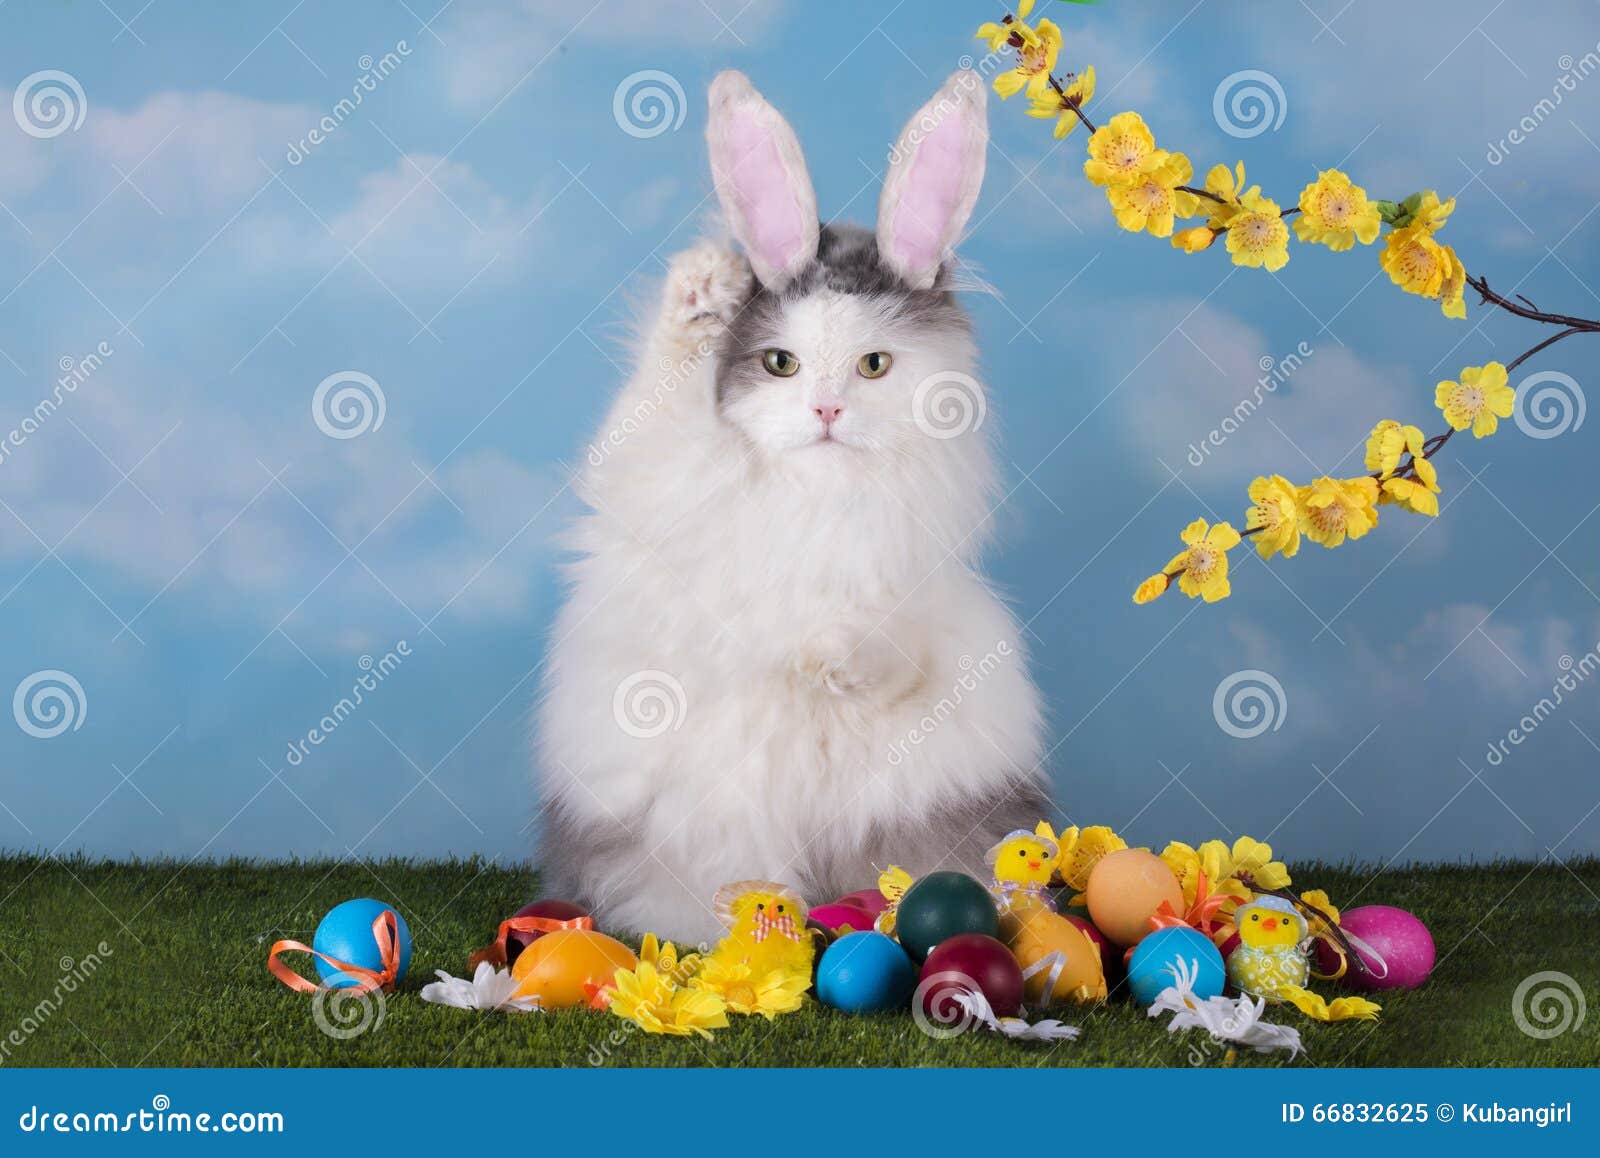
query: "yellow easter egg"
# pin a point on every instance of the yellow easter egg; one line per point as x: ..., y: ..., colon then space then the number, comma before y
x: 1125, y: 888
x: 1078, y: 976
x: 564, y: 968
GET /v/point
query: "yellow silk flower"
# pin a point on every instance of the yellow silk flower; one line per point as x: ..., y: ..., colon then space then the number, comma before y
x: 656, y: 1005
x: 738, y: 988
x: 1389, y: 442
x: 666, y: 961
x: 1275, y: 517
x: 1193, y: 240
x: 1215, y: 860
x: 999, y: 35
x: 1336, y: 213
x: 1050, y: 103
x: 1418, y: 495
x: 1479, y: 400
x: 1318, y: 899
x: 1257, y: 235
x: 1081, y: 850
x: 1036, y: 55
x: 1254, y: 867
x: 1152, y: 588
x: 1420, y: 265
x: 1333, y: 510
x: 1150, y: 200
x: 1119, y: 149
x: 1202, y: 567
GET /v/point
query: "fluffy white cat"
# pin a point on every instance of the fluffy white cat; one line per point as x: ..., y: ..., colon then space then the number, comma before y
x: 778, y: 659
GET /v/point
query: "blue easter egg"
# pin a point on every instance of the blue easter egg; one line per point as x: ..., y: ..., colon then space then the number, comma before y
x: 345, y: 934
x: 865, y: 973
x: 1150, y: 968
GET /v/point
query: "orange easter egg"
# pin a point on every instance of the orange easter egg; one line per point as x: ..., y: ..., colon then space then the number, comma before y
x: 1125, y: 888
x: 1080, y: 976
x: 564, y: 968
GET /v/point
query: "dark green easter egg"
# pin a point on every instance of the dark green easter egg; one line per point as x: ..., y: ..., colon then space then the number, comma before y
x: 941, y: 906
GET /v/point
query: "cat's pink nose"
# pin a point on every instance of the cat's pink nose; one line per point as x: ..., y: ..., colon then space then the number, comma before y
x: 828, y: 411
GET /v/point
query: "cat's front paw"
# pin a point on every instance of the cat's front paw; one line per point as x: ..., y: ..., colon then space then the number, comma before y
x: 706, y: 288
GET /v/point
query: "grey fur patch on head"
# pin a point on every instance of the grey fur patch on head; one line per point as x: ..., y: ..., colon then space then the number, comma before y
x: 848, y: 263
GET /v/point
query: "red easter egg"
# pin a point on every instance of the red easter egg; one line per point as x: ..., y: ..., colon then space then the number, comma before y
x: 969, y: 961
x: 869, y: 899
x: 839, y: 914
x: 1402, y: 941
x: 1109, y: 957
x: 555, y: 910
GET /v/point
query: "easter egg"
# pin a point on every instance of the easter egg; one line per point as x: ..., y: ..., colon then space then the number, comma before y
x: 1125, y: 888
x: 555, y: 910
x: 1078, y: 975
x: 969, y: 962
x: 940, y: 906
x: 865, y: 973
x: 869, y: 899
x: 1110, y: 959
x: 345, y: 934
x: 1150, y: 969
x: 839, y: 914
x: 563, y: 969
x: 1399, y: 938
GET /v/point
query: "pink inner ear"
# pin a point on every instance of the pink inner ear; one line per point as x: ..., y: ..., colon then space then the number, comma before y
x: 930, y: 196
x: 763, y: 194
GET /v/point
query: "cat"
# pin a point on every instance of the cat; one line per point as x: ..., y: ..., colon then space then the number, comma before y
x: 777, y: 658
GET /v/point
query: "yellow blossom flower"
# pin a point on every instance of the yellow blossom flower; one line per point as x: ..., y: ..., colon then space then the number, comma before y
x: 1420, y: 265
x: 1152, y: 588
x: 1430, y: 213
x: 1257, y: 235
x: 1119, y: 149
x: 1036, y: 59
x: 1389, y: 442
x: 1254, y: 867
x: 1418, y: 495
x: 655, y: 1005
x: 1050, y: 103
x: 1202, y: 568
x: 1318, y: 899
x: 1336, y: 213
x: 1193, y: 240
x: 1275, y: 517
x: 1332, y: 510
x: 666, y: 961
x: 1150, y: 200
x: 1479, y: 400
x: 999, y: 35
x: 741, y: 991
x: 1082, y: 849
x: 1215, y: 860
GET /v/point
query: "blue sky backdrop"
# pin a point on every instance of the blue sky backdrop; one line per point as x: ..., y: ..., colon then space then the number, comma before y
x: 181, y: 538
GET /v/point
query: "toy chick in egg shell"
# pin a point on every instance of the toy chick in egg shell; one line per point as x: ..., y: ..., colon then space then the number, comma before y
x: 1024, y: 863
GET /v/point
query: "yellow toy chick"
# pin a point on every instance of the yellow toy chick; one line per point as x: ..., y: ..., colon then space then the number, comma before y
x: 1270, y: 962
x: 766, y: 928
x: 1024, y: 863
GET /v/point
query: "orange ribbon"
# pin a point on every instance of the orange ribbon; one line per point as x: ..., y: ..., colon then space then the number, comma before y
x: 385, y: 932
x: 1201, y: 915
x: 495, y: 951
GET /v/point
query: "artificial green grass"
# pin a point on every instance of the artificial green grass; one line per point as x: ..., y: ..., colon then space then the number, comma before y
x: 185, y: 979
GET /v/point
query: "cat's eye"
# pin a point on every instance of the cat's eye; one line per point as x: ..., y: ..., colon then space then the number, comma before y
x: 874, y: 365
x: 780, y: 363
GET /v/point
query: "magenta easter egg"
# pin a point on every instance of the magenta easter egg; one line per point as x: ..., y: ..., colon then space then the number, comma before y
x: 839, y: 914
x: 869, y: 899
x: 1394, y: 950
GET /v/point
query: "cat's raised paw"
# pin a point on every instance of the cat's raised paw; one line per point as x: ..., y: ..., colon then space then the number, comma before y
x: 706, y: 287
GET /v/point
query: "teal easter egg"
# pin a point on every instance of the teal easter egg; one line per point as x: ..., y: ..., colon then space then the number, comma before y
x: 865, y: 973
x: 1150, y: 970
x: 940, y: 906
x: 345, y: 934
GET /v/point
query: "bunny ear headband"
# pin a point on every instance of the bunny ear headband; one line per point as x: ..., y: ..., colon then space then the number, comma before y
x: 722, y: 902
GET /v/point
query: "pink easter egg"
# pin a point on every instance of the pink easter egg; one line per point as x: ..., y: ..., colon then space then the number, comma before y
x: 869, y: 899
x: 838, y: 915
x: 1402, y: 941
